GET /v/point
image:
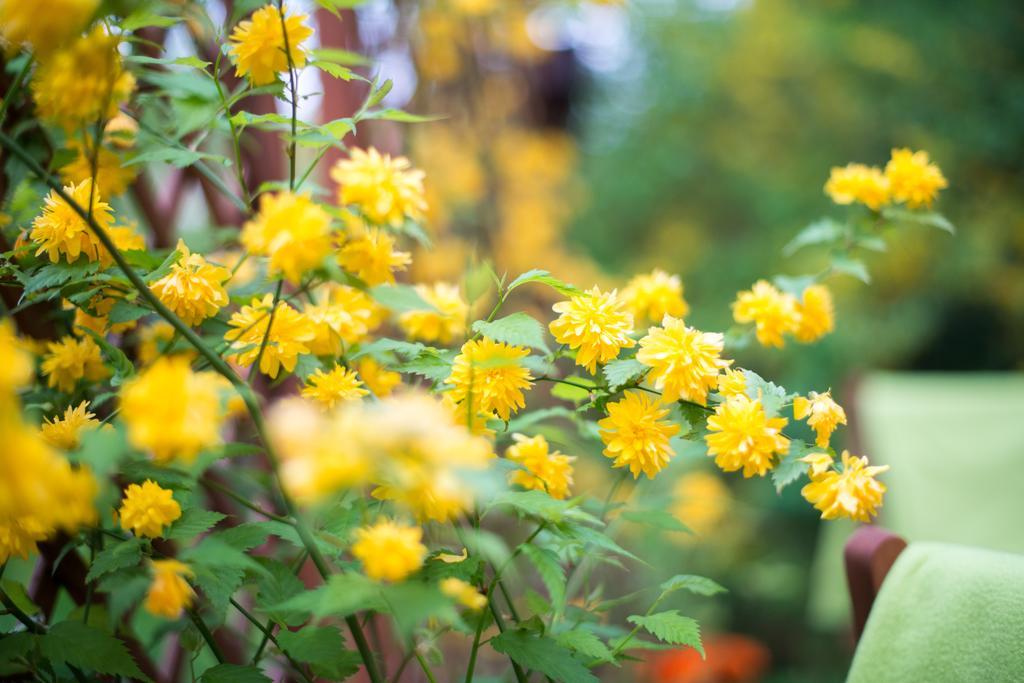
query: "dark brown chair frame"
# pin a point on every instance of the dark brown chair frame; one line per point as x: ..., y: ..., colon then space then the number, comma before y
x: 870, y: 553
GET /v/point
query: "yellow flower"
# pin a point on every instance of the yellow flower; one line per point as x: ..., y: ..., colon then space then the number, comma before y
x: 379, y: 380
x: 372, y: 257
x: 258, y: 44
x: 852, y: 492
x: 15, y: 360
x: 147, y: 509
x: 66, y: 432
x: 858, y: 183
x: 701, y: 502
x: 171, y: 411
x: 822, y: 413
x: 154, y: 342
x: 635, y: 434
x: 386, y: 190
x: 292, y: 230
x: 337, y: 386
x: 69, y: 360
x: 22, y: 24
x: 685, y: 363
x: 95, y: 314
x: 78, y: 84
x: 596, y: 324
x: 541, y: 470
x: 772, y: 312
x: 491, y: 375
x: 60, y: 230
x: 40, y: 493
x: 652, y: 297
x: 194, y: 289
x: 112, y: 178
x: 817, y: 316
x: 169, y: 593
x: 345, y: 315
x: 388, y: 550
x: 742, y: 436
x: 463, y: 593
x: 121, y: 131
x: 287, y: 337
x: 732, y: 383
x: 818, y: 463
x: 913, y: 178
x: 441, y: 325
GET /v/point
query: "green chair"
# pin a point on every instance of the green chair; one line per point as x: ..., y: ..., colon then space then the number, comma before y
x: 934, y: 612
x: 955, y: 444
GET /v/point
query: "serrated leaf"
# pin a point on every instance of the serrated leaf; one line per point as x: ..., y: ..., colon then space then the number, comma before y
x: 772, y: 396
x: 620, y: 372
x: 585, y: 643
x: 336, y: 70
x: 789, y: 468
x: 551, y: 572
x: 542, y: 654
x: 89, y: 648
x: 233, y: 673
x: 824, y: 231
x: 430, y: 364
x: 518, y: 329
x: 848, y: 265
x: 125, y: 311
x: 599, y: 539
x: 400, y: 116
x: 322, y: 647
x: 571, y: 392
x: 671, y: 627
x: 378, y: 349
x: 659, y: 519
x: 19, y: 596
x: 339, y: 56
x: 698, y: 585
x: 929, y: 218
x: 399, y: 298
x: 540, y: 504
x: 343, y: 594
x: 545, y: 278
x: 193, y: 521
x: 141, y: 18
x: 794, y: 286
x: 125, y: 554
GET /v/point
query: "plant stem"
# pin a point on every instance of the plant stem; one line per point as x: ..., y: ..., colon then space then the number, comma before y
x: 15, y: 87
x: 424, y: 665
x: 204, y: 631
x: 294, y: 97
x: 235, y: 136
x: 270, y: 636
x: 241, y: 500
x: 254, y: 369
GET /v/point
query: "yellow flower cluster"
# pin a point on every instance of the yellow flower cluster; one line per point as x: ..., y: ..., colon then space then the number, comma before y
x: 463, y: 593
x: 443, y: 324
x: 112, y: 179
x: 542, y: 469
x: 280, y: 332
x: 742, y: 436
x: 147, y: 509
x: 389, y: 551
x: 386, y: 190
x: 652, y: 296
x: 343, y: 315
x: 69, y: 360
x: 169, y: 594
x: 776, y: 314
x: 292, y: 231
x: 334, y: 387
x: 822, y: 413
x: 489, y: 375
x: 636, y: 435
x: 258, y: 44
x: 372, y: 257
x: 59, y: 230
x: 851, y: 492
x: 21, y: 25
x: 66, y: 432
x: 909, y: 178
x: 79, y: 83
x: 171, y: 411
x: 595, y: 324
x: 685, y: 363
x: 194, y: 289
x: 40, y: 492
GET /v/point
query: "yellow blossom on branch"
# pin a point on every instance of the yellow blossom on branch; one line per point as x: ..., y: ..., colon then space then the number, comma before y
x: 343, y: 315
x: 388, y: 550
x: 914, y: 180
x: 378, y: 379
x: 169, y: 593
x: 742, y: 436
x: 773, y: 313
x: 852, y: 492
x: 112, y: 179
x: 21, y: 23
x: 292, y: 231
x: 490, y: 374
x: 595, y: 324
x: 334, y: 387
x: 258, y: 44
x: 60, y: 231
x: 69, y: 360
x: 685, y: 363
x: 636, y: 434
x: 732, y: 382
x: 372, y: 257
x: 194, y: 289
x: 287, y: 336
x: 386, y: 190
x: 652, y: 296
x: 440, y: 325
x: 542, y: 469
x: 147, y: 508
x: 66, y: 432
x: 858, y: 183
x: 463, y: 593
x: 822, y: 413
x: 816, y: 314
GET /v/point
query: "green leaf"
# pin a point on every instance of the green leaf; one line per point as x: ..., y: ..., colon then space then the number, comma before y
x: 232, y: 673
x: 620, y: 372
x: 540, y: 504
x: 14, y: 646
x: 175, y: 156
x: 125, y: 554
x: 125, y: 311
x: 698, y: 585
x: 586, y: 535
x: 585, y: 643
x: 19, y: 596
x: 336, y: 70
x: 193, y: 522
x: 794, y: 286
x: 928, y: 218
x: 411, y: 604
x: 772, y: 396
x: 322, y: 647
x: 430, y: 364
x: 671, y: 627
x: 790, y: 468
x: 343, y: 594
x: 399, y: 298
x: 89, y: 648
x: 545, y: 278
x: 378, y: 94
x: 141, y: 18
x: 339, y: 56
x: 824, y: 231
x: 379, y: 348
x: 551, y: 572
x: 659, y: 519
x: 542, y: 654
x: 841, y: 263
x: 518, y: 329
x: 400, y: 116
x: 570, y: 392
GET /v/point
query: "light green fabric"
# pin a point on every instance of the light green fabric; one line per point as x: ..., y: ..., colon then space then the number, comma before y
x: 955, y: 443
x: 945, y: 613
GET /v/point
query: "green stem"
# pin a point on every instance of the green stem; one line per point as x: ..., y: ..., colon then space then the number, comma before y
x: 254, y: 369
x: 424, y: 665
x: 294, y: 97
x: 241, y: 500
x: 270, y: 636
x: 476, y: 646
x: 204, y: 631
x: 14, y: 89
x: 235, y: 135
x: 217, y: 363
